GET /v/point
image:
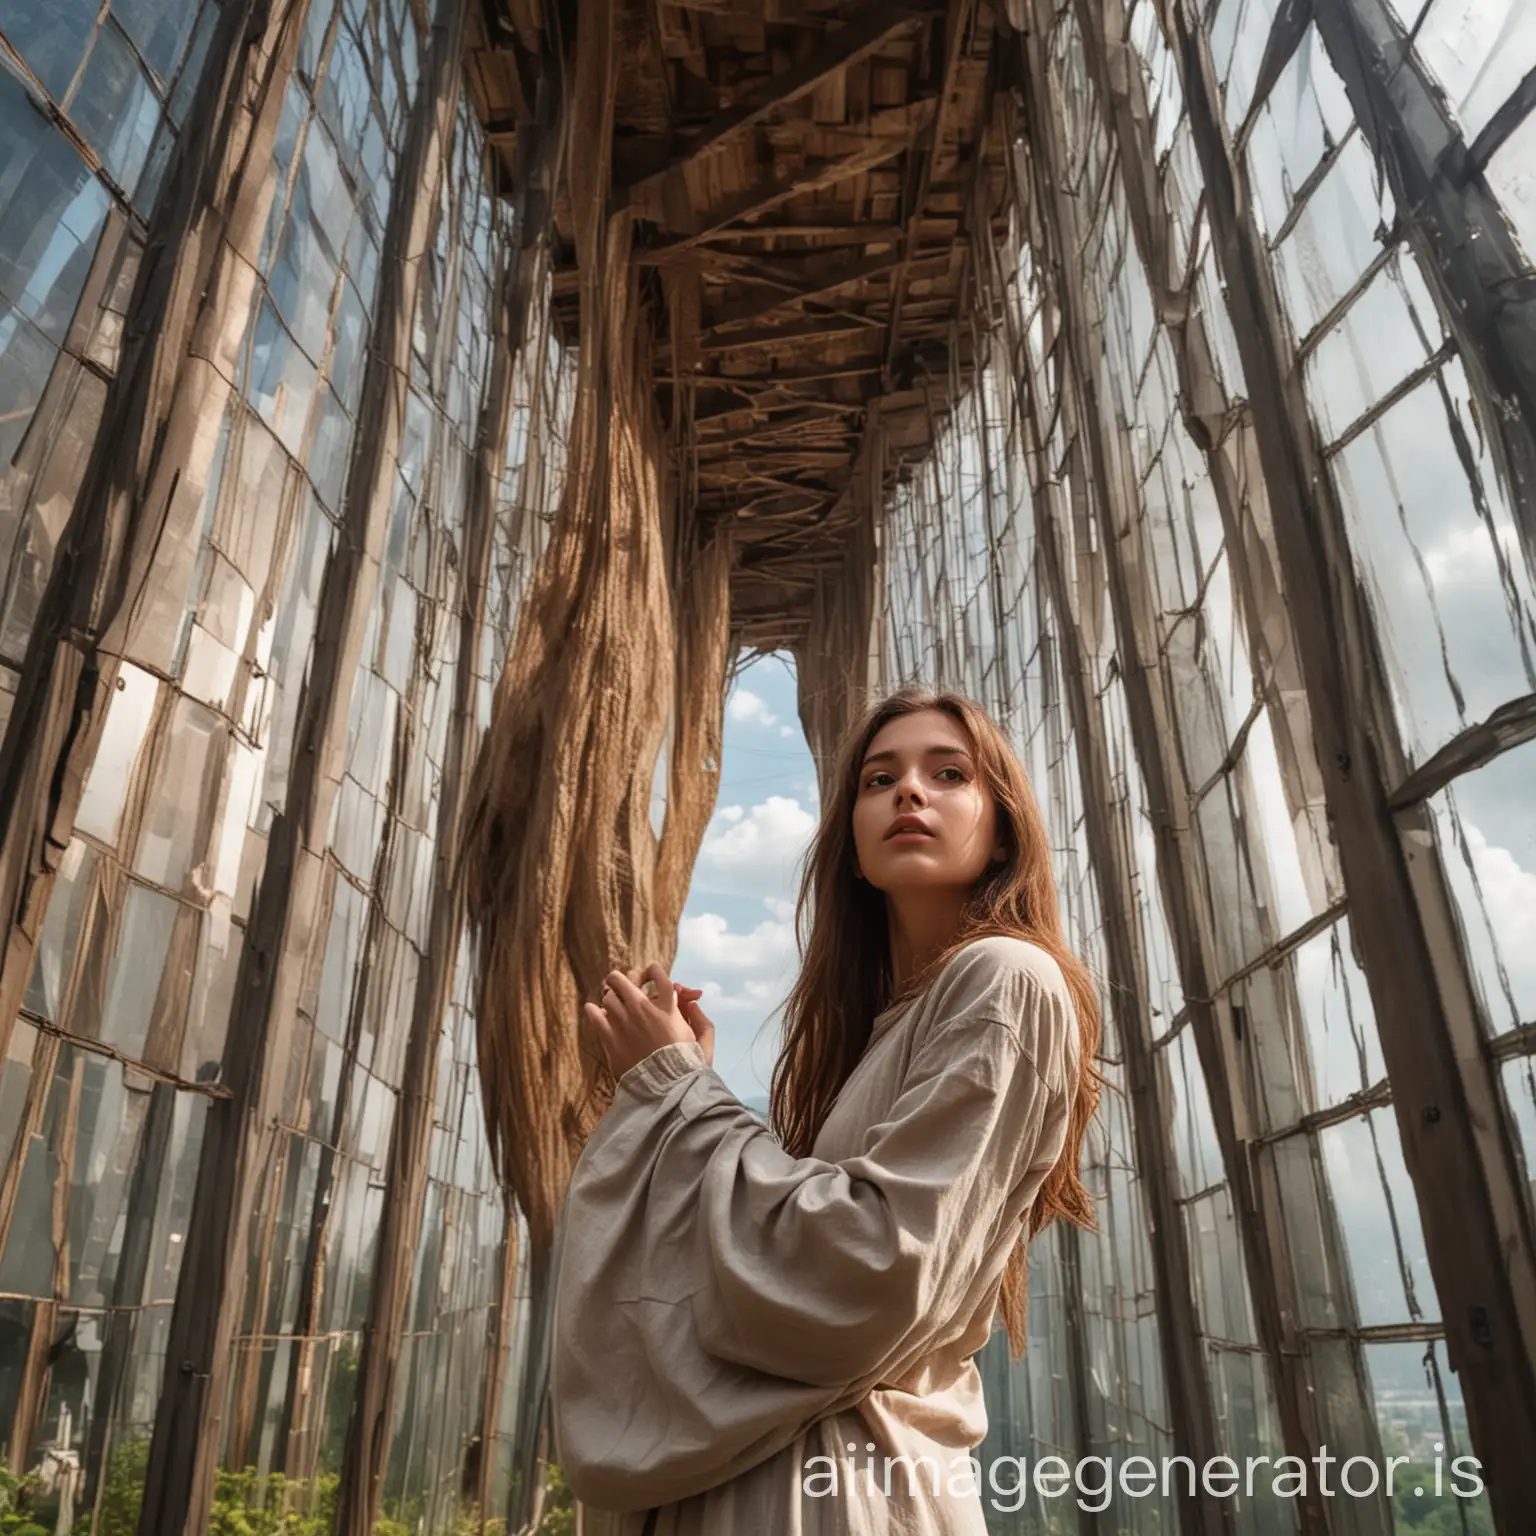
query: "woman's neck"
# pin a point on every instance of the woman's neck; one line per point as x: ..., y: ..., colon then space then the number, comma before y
x: 921, y: 926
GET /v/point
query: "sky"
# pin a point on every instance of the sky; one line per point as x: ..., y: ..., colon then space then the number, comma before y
x: 736, y: 939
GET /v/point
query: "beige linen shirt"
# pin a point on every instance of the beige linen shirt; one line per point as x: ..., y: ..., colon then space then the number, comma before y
x: 726, y: 1314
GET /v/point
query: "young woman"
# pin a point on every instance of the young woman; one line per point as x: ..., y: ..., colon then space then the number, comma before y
x: 751, y: 1326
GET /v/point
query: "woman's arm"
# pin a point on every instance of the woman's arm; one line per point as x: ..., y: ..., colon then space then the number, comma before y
x: 716, y: 1294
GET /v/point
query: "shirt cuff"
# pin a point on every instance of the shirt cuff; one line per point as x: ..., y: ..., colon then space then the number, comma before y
x: 652, y: 1075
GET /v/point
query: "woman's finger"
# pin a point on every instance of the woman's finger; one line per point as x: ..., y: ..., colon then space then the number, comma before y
x: 637, y: 976
x: 625, y: 990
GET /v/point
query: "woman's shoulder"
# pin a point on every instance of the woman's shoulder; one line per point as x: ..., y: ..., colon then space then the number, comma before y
x: 1003, y: 980
x: 1000, y: 958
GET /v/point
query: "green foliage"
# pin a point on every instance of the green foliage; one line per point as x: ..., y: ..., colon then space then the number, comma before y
x: 1436, y: 1514
x: 124, y: 1489
x: 10, y: 1490
x: 244, y: 1504
x: 18, y: 1517
x: 559, y: 1517
x: 338, y: 1411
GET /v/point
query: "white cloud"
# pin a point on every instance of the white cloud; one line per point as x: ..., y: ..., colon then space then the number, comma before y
x: 1509, y: 898
x: 755, y: 852
x: 709, y: 940
x: 786, y: 730
x: 745, y: 978
x: 746, y: 708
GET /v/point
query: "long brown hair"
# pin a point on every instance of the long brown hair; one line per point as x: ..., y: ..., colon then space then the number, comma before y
x: 845, y: 974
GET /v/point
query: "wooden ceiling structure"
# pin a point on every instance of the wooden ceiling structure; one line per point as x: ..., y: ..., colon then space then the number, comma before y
x: 804, y: 175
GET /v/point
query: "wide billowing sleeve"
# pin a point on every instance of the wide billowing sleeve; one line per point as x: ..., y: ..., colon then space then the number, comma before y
x: 715, y: 1296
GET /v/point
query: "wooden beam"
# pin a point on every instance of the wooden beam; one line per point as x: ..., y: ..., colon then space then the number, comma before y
x: 770, y: 191
x: 954, y: 33
x: 863, y: 233
x: 862, y: 36
x: 848, y: 370
x: 801, y: 410
x: 705, y: 255
x: 845, y: 275
x: 779, y: 336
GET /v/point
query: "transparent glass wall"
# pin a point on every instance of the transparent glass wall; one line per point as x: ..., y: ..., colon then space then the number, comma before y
x: 120, y: 1047
x: 1090, y: 549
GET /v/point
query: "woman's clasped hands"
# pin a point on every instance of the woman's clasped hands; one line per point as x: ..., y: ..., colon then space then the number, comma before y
x: 643, y: 1010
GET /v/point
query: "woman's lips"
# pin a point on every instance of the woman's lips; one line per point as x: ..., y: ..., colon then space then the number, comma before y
x: 909, y: 834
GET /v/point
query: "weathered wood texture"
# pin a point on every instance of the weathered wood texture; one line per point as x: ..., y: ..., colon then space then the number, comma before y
x: 807, y: 165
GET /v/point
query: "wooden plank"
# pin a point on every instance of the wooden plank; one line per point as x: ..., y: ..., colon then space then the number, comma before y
x: 818, y: 331
x: 814, y: 287
x: 865, y: 33
x: 954, y: 34
x: 770, y: 191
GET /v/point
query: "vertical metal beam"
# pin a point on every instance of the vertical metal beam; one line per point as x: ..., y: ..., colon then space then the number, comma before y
x: 188, y: 1432
x: 502, y: 1332
x: 1455, y: 1140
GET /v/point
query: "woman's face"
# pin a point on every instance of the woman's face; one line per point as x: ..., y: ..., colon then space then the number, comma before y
x: 920, y: 765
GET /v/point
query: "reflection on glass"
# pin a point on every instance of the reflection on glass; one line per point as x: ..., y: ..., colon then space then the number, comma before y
x: 112, y: 769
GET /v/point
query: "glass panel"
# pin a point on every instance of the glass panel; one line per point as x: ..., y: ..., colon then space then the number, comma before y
x: 1478, y: 50
x: 1335, y: 238
x: 1441, y: 558
x: 67, y: 908
x: 1520, y: 1094
x: 113, y: 768
x: 175, y: 817
x: 138, y: 965
x: 159, y: 31
x: 1511, y: 176
x: 115, y: 108
x: 1343, y: 1047
x: 1379, y: 1218
x: 52, y: 39
x: 51, y: 211
x: 1485, y: 823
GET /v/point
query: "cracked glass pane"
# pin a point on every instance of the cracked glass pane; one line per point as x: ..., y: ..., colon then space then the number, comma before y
x: 1485, y: 824
x: 1437, y: 544
x: 1379, y: 1219
x: 1512, y: 180
x: 1344, y: 1051
x: 1479, y: 51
